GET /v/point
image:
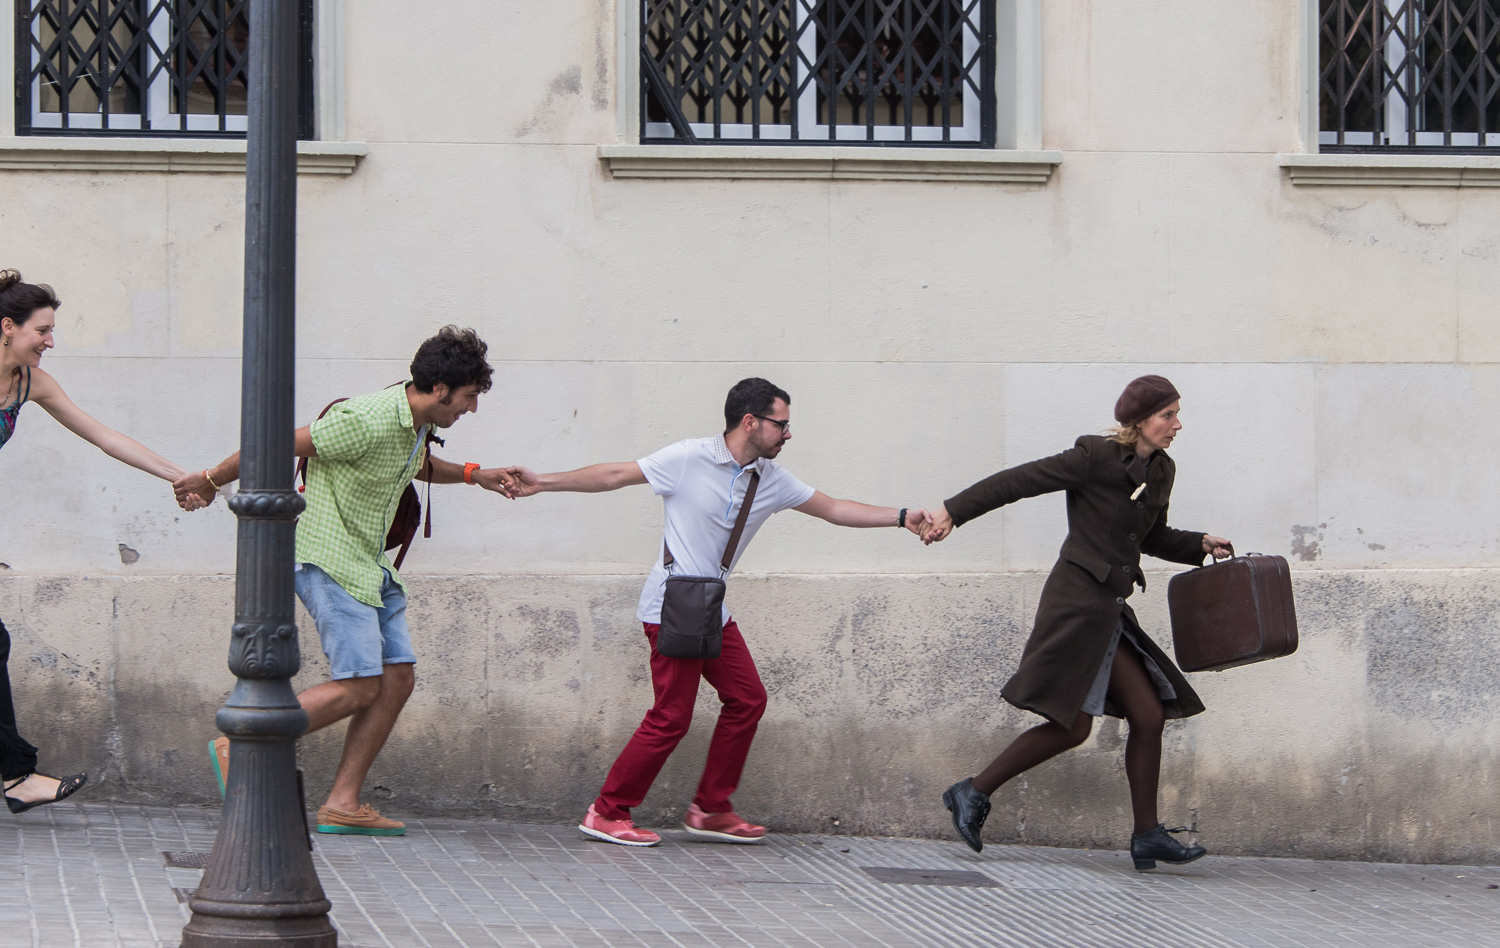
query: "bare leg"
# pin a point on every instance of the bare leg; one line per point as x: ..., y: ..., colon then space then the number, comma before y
x: 1039, y: 744
x: 1133, y: 692
x: 332, y: 701
x: 367, y: 734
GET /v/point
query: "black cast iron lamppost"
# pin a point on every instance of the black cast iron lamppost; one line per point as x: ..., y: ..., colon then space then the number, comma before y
x: 260, y: 889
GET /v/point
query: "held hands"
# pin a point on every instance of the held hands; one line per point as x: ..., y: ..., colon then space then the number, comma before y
x: 193, y: 491
x: 509, y: 482
x: 1218, y: 547
x: 497, y: 479
x: 939, y: 525
x: 521, y: 482
x: 918, y: 520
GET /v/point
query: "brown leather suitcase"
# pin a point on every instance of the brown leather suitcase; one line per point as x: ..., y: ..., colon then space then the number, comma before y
x: 1233, y: 612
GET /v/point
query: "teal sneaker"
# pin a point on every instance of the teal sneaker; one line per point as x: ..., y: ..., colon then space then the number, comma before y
x: 218, y: 751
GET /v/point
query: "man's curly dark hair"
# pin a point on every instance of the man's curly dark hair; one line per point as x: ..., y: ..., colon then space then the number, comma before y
x: 455, y: 358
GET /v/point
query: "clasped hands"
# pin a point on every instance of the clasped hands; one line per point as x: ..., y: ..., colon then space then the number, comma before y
x: 193, y: 492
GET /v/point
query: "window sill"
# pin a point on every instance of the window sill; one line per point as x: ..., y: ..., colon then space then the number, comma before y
x: 1399, y: 171
x: 172, y: 155
x: 829, y: 163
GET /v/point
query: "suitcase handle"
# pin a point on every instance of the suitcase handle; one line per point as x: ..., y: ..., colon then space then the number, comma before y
x: 1229, y: 557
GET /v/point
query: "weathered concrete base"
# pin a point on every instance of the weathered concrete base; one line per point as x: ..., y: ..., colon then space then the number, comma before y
x: 1379, y: 739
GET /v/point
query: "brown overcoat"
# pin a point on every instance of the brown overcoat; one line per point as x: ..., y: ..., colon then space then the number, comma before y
x: 1097, y: 570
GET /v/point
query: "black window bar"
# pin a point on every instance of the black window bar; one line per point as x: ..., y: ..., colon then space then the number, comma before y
x: 141, y: 67
x: 1409, y: 75
x: 855, y: 72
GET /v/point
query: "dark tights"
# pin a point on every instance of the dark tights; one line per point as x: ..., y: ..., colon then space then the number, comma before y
x: 1133, y: 692
x: 17, y: 758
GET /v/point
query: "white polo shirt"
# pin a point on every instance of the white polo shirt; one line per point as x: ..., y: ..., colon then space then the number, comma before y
x: 702, y: 488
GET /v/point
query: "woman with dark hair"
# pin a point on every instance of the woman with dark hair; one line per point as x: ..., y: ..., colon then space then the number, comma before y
x: 28, y: 313
x: 1087, y: 655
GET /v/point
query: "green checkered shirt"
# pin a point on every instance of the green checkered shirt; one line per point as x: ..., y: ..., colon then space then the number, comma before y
x: 367, y: 453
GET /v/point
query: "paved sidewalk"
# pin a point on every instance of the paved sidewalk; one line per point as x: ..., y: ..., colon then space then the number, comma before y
x: 97, y: 875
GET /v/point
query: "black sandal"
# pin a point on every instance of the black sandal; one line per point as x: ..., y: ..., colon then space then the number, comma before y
x: 66, y: 787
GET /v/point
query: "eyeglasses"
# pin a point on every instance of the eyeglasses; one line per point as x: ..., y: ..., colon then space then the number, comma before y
x: 783, y: 425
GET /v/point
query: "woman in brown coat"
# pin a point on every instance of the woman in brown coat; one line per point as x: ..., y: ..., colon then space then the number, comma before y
x: 1087, y: 655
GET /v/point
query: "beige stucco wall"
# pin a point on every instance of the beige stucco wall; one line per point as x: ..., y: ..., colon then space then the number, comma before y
x: 1335, y: 347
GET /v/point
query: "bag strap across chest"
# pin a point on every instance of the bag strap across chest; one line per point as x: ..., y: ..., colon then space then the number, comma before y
x: 734, y: 535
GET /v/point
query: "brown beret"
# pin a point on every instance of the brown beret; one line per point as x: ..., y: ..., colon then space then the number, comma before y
x: 1143, y: 398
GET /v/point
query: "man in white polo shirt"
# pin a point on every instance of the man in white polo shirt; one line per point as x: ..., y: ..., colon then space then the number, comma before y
x: 702, y: 484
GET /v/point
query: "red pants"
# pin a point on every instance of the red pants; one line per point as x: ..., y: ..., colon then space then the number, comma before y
x: 675, y: 681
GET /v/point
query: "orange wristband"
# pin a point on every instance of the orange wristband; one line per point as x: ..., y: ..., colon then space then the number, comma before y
x: 469, y: 470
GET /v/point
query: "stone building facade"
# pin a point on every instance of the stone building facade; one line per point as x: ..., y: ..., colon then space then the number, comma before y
x: 1148, y: 187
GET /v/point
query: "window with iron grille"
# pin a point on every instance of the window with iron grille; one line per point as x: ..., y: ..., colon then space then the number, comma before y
x: 140, y: 67
x: 1409, y: 75
x: 874, y: 72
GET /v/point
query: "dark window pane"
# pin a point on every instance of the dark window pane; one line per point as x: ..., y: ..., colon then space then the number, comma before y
x: 855, y: 71
x: 1413, y: 74
x: 211, y: 57
x: 153, y: 67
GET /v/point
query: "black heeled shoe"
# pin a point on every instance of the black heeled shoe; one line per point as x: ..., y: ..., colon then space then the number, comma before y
x: 969, y: 808
x: 66, y: 787
x: 1154, y: 844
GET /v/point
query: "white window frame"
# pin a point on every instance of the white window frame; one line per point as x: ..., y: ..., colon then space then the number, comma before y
x: 328, y: 72
x: 1313, y: 135
x: 157, y: 94
x: 331, y: 154
x: 810, y: 131
x: 1017, y: 88
x: 1311, y: 168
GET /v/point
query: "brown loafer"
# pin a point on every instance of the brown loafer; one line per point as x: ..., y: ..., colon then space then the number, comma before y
x: 364, y: 821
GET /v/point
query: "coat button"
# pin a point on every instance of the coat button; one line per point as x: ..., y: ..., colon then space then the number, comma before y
x: 1126, y: 567
x: 1119, y: 600
x: 1132, y: 538
x: 1140, y: 505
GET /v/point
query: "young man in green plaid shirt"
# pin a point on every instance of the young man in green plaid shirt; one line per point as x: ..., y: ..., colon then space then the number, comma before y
x: 361, y: 456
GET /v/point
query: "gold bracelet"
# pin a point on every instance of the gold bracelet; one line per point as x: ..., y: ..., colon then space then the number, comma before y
x: 211, y: 483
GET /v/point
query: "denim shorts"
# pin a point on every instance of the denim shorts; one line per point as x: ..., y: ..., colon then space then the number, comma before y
x: 359, y: 639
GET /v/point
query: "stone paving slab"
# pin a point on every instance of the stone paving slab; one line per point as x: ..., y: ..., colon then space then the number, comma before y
x: 94, y: 876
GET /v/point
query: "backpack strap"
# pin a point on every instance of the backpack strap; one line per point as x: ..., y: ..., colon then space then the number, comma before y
x: 302, y: 462
x: 427, y: 524
x: 431, y: 439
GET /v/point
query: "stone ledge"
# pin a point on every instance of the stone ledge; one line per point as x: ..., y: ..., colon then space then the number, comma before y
x: 1399, y: 171
x: 171, y: 155
x: 829, y: 163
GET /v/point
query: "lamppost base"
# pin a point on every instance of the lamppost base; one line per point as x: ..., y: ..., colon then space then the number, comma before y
x: 209, y: 931
x: 260, y: 889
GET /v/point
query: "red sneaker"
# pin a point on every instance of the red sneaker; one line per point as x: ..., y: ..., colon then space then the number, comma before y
x: 725, y: 827
x: 624, y: 832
